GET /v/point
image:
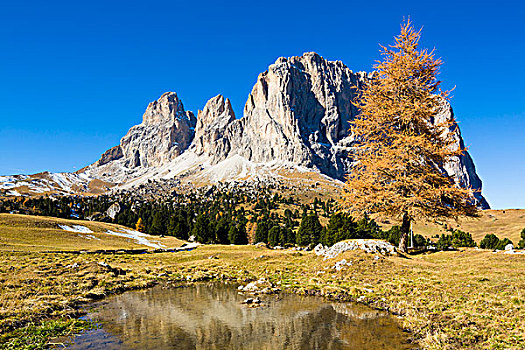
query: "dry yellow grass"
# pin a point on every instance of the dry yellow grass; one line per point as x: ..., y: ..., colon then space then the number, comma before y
x: 40, y: 233
x: 506, y: 223
x: 468, y: 299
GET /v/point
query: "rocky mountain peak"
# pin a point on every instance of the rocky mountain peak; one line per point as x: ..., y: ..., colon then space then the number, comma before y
x: 298, y: 111
x: 165, y: 132
x: 212, y: 123
x: 165, y: 110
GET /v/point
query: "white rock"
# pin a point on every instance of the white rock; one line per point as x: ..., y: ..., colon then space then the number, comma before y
x: 368, y: 245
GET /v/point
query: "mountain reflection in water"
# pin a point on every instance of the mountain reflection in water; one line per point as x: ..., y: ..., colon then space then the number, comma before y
x: 211, y: 316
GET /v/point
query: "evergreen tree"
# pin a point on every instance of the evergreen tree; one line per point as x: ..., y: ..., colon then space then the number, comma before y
x: 236, y: 235
x: 202, y: 230
x: 222, y: 230
x: 491, y: 241
x: 286, y: 236
x: 157, y: 225
x: 178, y: 226
x: 261, y: 233
x: 521, y: 243
x: 274, y: 236
x: 310, y: 230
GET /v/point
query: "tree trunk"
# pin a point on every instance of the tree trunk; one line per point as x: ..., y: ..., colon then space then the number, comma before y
x: 405, y: 229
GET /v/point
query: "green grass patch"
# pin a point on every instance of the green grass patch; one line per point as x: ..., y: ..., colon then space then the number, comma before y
x: 38, y: 336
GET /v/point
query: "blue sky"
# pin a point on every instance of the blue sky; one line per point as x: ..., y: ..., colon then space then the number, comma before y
x: 77, y: 75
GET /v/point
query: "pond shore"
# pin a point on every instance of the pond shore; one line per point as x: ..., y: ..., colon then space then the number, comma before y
x: 448, y: 300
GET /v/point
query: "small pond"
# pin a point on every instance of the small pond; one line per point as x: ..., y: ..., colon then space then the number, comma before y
x: 212, y: 316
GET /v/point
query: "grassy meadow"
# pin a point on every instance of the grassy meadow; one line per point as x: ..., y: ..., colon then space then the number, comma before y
x: 40, y: 233
x: 466, y: 299
x: 506, y: 223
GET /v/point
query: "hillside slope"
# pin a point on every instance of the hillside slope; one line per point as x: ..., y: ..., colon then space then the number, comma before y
x: 40, y: 233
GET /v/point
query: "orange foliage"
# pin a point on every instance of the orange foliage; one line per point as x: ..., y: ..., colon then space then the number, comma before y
x: 401, y: 146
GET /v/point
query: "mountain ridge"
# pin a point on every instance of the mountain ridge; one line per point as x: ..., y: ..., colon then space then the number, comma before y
x: 297, y: 115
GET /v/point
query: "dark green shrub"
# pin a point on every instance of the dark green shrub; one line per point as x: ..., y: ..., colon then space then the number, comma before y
x: 462, y: 239
x: 420, y: 241
x: 444, y: 242
x: 456, y: 239
x: 521, y: 243
x: 491, y: 241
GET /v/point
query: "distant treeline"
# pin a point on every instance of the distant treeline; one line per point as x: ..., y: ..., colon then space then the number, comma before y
x: 221, y: 217
x: 217, y: 217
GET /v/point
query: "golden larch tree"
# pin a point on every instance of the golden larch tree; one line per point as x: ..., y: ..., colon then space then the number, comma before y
x: 139, y: 226
x: 401, y: 148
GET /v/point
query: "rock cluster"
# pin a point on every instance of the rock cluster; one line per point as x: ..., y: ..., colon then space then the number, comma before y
x: 372, y: 246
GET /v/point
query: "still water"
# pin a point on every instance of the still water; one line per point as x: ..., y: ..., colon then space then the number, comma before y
x: 211, y: 316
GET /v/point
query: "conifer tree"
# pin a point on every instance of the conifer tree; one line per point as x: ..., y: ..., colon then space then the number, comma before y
x: 274, y: 235
x: 157, y: 225
x: 237, y: 234
x: 178, y: 226
x: 261, y: 233
x: 401, y: 147
x: 202, y: 230
x: 222, y: 230
x: 521, y: 243
x: 310, y: 230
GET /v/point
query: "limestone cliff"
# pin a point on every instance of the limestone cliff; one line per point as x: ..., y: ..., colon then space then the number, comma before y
x: 165, y: 132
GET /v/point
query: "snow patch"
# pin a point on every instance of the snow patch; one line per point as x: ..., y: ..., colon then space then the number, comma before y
x: 75, y: 228
x: 90, y: 237
x: 138, y: 237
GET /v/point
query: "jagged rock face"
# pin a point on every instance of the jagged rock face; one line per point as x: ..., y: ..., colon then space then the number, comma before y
x: 111, y: 154
x: 165, y: 132
x: 298, y: 112
x: 462, y: 168
x: 212, y: 123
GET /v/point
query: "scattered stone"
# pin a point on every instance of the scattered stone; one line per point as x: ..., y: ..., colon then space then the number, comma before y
x: 261, y: 286
x: 340, y: 264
